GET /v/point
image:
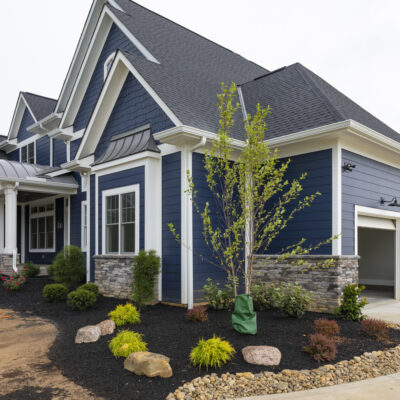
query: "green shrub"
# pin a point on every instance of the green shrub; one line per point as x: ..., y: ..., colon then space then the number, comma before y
x: 326, y: 327
x: 197, y: 314
x: 68, y: 267
x: 81, y: 299
x: 127, y: 314
x: 219, y: 299
x: 351, y: 304
x: 376, y: 328
x: 145, y: 270
x: 321, y: 348
x: 91, y: 287
x: 212, y: 353
x: 296, y: 300
x: 266, y: 298
x: 127, y: 342
x: 55, y: 292
x: 31, y: 270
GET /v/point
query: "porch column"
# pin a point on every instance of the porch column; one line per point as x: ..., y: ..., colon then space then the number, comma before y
x: 2, y: 221
x: 10, y: 194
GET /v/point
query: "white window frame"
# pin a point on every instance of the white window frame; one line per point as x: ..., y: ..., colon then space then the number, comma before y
x: 38, y: 215
x: 109, y: 60
x: 34, y: 152
x: 114, y: 192
x: 84, y: 222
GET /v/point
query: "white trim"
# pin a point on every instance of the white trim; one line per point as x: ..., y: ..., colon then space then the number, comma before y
x: 126, y: 160
x: 242, y: 103
x: 27, y: 150
x: 18, y: 115
x: 116, y: 5
x: 68, y: 150
x: 109, y: 60
x: 337, y: 199
x: 83, y: 207
x: 186, y: 161
x: 88, y: 245
x: 51, y: 151
x: 23, y: 233
x: 119, y: 191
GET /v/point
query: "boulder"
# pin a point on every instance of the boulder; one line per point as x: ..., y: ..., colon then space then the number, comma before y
x: 107, y: 327
x: 149, y: 364
x: 262, y: 355
x: 88, y: 334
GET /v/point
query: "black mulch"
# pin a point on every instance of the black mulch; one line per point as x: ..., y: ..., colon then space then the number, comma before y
x: 166, y: 331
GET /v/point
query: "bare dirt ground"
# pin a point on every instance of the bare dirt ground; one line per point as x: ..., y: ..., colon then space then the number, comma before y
x: 25, y: 370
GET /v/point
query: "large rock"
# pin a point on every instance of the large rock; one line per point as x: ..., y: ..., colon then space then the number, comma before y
x: 88, y: 334
x: 107, y: 327
x: 149, y: 364
x: 262, y: 355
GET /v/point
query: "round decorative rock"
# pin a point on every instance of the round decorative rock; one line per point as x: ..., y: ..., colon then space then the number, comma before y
x: 262, y: 355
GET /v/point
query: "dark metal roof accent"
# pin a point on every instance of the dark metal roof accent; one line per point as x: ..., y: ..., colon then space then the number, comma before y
x: 128, y: 143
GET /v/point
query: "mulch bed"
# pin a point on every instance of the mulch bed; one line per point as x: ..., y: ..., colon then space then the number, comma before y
x: 166, y: 331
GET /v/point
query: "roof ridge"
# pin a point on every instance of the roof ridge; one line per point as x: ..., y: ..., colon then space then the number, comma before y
x: 39, y: 95
x: 263, y: 76
x: 187, y: 29
x: 318, y: 90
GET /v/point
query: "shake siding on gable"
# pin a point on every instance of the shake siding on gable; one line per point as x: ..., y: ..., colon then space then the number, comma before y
x: 43, y: 151
x: 59, y: 152
x: 171, y: 213
x: 115, y: 40
x: 364, y: 186
x: 26, y: 121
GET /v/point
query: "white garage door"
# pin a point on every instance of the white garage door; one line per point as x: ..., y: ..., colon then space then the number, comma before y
x: 364, y: 221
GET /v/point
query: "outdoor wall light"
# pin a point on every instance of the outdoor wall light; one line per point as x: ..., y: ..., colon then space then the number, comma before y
x: 348, y: 167
x: 60, y: 224
x: 392, y: 203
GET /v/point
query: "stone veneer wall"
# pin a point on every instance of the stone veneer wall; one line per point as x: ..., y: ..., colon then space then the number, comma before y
x: 327, y: 284
x: 113, y: 275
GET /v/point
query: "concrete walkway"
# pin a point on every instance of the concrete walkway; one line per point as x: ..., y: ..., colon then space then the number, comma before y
x: 386, y: 309
x: 385, y: 387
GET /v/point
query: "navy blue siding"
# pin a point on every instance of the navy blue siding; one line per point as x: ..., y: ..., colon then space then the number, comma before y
x: 74, y: 145
x: 92, y: 224
x: 364, y: 186
x: 115, y: 40
x: 26, y: 121
x: 76, y: 210
x: 119, y: 179
x: 171, y: 213
x: 59, y: 152
x: 43, y: 151
x: 134, y: 108
x: 13, y: 155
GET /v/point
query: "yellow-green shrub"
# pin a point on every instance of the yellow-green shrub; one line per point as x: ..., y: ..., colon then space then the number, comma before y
x: 127, y: 342
x: 212, y: 353
x: 127, y: 314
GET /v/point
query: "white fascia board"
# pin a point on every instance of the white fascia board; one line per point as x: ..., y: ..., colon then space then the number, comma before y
x: 17, y: 116
x: 28, y: 107
x: 32, y: 185
x: 79, y: 165
x: 62, y: 133
x: 116, y: 5
x: 40, y: 126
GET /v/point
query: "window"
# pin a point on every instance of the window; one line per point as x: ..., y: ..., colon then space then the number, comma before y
x: 27, y: 153
x: 42, y: 227
x: 121, y: 220
x: 84, y: 226
x: 108, y: 64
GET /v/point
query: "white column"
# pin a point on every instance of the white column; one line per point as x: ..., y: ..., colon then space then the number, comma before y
x: 11, y: 220
x: 2, y: 221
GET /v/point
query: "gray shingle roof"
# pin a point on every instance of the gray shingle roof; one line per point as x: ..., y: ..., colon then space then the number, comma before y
x: 41, y: 106
x: 129, y: 143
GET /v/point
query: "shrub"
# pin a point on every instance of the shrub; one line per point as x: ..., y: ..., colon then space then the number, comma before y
x: 81, y: 299
x: 55, y: 292
x: 91, y: 287
x: 351, y: 304
x: 212, y: 353
x: 146, y: 268
x: 376, y: 328
x: 127, y: 314
x: 326, y: 327
x: 127, y: 342
x: 321, y: 348
x: 295, y: 300
x: 14, y: 282
x: 31, y: 270
x: 219, y: 299
x: 197, y: 314
x: 266, y: 298
x: 68, y: 267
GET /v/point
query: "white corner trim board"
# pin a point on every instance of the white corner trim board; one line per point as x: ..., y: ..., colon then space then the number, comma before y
x: 337, y: 199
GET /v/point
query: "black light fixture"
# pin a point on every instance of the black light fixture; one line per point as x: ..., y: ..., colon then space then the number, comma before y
x: 348, y: 167
x: 392, y: 203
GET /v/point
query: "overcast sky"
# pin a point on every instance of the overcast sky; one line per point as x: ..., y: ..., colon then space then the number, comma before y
x: 353, y: 44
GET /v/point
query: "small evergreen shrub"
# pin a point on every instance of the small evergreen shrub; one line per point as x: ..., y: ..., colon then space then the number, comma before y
x: 295, y: 300
x: 81, y: 299
x: 212, y: 353
x: 321, y: 348
x: 68, y: 266
x: 55, y: 292
x: 197, y: 314
x: 219, y: 299
x: 351, y: 304
x: 14, y: 282
x: 266, y: 298
x: 123, y: 315
x: 31, y: 270
x: 127, y: 342
x: 326, y: 327
x: 376, y: 328
x: 91, y: 287
x: 146, y: 268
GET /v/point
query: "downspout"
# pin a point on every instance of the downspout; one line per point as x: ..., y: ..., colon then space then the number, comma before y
x: 189, y: 211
